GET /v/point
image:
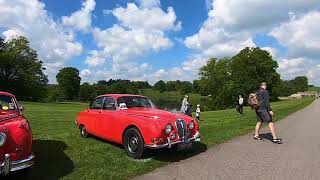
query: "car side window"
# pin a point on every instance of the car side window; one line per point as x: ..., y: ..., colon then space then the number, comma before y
x: 109, y: 104
x: 97, y: 103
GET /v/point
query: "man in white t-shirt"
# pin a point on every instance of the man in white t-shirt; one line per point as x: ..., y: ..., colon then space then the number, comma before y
x: 240, y: 102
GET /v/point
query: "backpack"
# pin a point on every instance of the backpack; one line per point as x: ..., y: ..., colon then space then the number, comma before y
x: 253, y: 100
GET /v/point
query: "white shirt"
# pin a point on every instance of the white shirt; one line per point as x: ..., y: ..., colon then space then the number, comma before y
x: 241, y: 101
x: 198, y: 111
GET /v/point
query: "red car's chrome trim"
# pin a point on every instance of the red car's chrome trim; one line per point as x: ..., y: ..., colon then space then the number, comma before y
x: 10, y: 166
x: 169, y: 144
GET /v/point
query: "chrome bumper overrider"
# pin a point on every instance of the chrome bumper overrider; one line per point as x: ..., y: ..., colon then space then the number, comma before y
x: 169, y: 143
x: 9, y: 166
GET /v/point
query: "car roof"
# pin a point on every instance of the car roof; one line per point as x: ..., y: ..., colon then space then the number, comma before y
x: 6, y: 94
x: 116, y: 96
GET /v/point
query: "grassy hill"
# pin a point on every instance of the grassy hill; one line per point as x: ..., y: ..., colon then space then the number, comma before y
x: 62, y: 154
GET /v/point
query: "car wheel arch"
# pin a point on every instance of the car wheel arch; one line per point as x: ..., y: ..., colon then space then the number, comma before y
x: 129, y: 127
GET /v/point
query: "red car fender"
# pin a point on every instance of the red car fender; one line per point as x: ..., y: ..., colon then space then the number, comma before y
x: 148, y: 128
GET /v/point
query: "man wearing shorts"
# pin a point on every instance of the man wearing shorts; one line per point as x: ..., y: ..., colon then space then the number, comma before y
x: 265, y: 114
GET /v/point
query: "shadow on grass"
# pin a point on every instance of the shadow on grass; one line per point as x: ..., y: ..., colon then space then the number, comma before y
x: 51, y: 162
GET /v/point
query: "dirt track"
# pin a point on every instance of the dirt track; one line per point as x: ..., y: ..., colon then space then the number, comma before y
x: 244, y: 158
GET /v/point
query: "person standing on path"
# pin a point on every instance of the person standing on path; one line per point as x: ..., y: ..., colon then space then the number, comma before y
x: 240, y: 103
x: 265, y: 114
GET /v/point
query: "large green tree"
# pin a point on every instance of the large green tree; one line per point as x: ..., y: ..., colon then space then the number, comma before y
x: 251, y: 67
x: 225, y: 79
x: 69, y: 82
x: 21, y: 72
x: 300, y: 84
x: 160, y: 86
x: 214, y: 77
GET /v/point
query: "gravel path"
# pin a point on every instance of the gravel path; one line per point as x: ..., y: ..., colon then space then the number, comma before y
x: 244, y: 158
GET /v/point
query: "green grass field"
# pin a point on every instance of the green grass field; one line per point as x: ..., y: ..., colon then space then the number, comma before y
x: 62, y: 154
x: 317, y: 89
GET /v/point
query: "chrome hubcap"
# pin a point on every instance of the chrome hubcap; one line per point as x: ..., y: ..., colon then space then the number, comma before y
x: 133, y: 144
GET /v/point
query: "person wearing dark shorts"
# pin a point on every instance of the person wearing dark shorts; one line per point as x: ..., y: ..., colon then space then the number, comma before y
x: 265, y: 114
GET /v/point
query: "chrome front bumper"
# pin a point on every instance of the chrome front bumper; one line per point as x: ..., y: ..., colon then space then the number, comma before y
x: 170, y: 143
x: 10, y: 166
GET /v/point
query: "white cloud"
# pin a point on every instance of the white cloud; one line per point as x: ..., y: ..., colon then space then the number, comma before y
x: 149, y: 19
x: 131, y: 38
x: 300, y: 35
x: 232, y: 24
x: 290, y: 68
x: 95, y: 59
x: 273, y: 51
x: 85, y: 73
x: 55, y: 45
x: 238, y: 15
x: 81, y: 19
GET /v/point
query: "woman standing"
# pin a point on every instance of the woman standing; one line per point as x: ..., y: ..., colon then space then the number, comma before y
x: 185, y: 105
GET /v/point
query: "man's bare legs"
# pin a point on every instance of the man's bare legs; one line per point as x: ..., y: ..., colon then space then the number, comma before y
x: 271, y: 129
x: 258, y: 127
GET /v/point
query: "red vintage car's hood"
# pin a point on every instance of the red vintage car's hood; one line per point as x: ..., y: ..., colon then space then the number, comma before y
x: 5, y: 115
x: 156, y: 114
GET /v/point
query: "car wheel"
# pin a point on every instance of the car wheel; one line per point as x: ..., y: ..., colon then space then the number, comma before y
x: 83, y: 131
x: 133, y: 143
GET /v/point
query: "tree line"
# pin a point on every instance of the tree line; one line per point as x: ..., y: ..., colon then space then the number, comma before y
x: 222, y: 80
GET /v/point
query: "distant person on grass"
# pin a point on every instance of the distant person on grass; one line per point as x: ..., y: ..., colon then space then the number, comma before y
x: 198, y: 111
x: 185, y: 105
x: 240, y: 104
x: 265, y: 114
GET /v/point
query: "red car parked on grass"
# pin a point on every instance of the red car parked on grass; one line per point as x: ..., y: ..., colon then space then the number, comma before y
x: 132, y: 120
x: 15, y: 136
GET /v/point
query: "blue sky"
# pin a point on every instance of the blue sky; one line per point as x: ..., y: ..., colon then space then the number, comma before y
x: 184, y: 10
x: 163, y: 39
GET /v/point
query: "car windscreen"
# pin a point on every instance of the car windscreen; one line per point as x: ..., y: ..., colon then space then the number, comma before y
x: 7, y: 103
x: 135, y: 101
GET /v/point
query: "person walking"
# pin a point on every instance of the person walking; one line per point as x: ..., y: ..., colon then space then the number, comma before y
x: 185, y: 105
x: 240, y: 103
x: 265, y: 114
x: 198, y: 111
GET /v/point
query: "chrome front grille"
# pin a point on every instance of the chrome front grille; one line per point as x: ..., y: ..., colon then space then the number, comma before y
x: 182, y: 130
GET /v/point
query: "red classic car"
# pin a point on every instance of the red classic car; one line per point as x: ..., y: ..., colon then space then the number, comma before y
x: 132, y: 120
x: 15, y: 136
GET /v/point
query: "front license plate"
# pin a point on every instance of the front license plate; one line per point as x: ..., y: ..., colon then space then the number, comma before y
x: 183, y: 146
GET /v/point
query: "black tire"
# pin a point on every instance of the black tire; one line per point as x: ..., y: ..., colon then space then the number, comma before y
x: 134, y: 144
x: 83, y: 131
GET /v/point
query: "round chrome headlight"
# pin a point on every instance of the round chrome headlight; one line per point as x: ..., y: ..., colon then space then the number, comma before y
x: 191, y: 125
x: 168, y: 129
x: 3, y: 139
